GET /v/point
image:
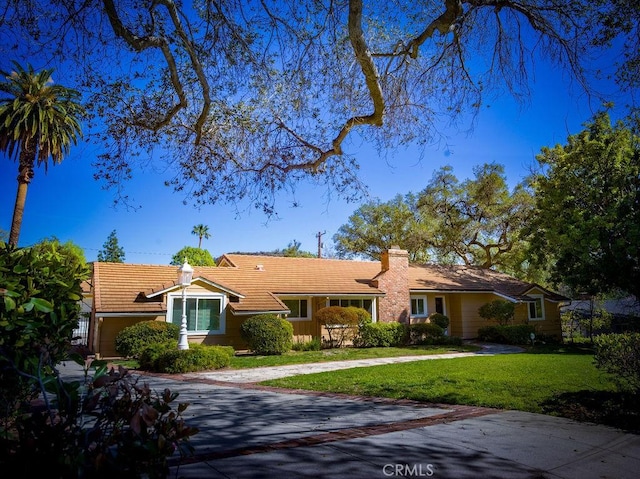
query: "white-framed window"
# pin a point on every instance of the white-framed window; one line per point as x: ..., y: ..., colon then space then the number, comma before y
x: 536, y: 308
x: 418, y: 306
x: 299, y: 309
x: 363, y: 303
x: 205, y: 313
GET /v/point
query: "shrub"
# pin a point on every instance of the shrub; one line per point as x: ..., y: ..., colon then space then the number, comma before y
x: 439, y: 319
x: 267, y: 334
x: 619, y: 355
x: 108, y: 426
x: 167, y: 358
x: 363, y: 315
x: 341, y: 323
x: 133, y: 339
x: 499, y: 311
x: 40, y: 293
x: 425, y: 333
x: 514, y: 334
x: 373, y: 335
x: 313, y: 345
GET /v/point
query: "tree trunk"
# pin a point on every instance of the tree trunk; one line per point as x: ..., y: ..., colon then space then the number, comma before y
x: 18, y: 211
x: 27, y: 158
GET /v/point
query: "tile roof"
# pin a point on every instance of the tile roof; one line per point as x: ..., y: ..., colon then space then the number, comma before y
x: 124, y: 287
x: 258, y: 280
x: 471, y: 278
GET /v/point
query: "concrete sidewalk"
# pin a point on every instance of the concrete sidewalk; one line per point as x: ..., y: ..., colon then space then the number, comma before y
x: 254, y: 375
x: 250, y: 431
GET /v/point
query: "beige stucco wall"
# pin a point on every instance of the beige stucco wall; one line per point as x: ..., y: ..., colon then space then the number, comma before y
x: 108, y: 329
x: 462, y: 310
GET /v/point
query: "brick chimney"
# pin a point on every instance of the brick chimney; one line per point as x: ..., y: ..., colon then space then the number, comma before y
x: 393, y: 279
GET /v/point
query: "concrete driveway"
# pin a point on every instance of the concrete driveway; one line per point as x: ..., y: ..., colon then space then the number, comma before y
x: 249, y: 431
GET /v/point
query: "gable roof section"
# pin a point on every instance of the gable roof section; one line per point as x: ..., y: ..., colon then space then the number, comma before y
x: 199, y: 279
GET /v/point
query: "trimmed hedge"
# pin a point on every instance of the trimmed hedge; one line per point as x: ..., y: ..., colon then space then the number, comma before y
x: 439, y: 319
x: 133, y: 339
x: 425, y: 333
x: 167, y: 358
x: 267, y: 334
x: 374, y: 335
x: 514, y: 334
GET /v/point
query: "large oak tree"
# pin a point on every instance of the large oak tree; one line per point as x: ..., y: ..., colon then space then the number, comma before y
x: 243, y: 98
x: 477, y: 222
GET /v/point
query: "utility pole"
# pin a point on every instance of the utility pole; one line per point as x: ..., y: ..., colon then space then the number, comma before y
x: 319, y: 236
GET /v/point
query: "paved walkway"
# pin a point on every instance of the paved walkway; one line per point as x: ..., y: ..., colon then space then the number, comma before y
x: 254, y: 375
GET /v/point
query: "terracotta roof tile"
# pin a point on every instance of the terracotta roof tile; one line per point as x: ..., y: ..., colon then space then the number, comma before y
x: 123, y: 286
x: 470, y: 278
x: 258, y: 280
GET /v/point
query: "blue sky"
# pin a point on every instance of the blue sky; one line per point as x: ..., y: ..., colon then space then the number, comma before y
x: 69, y: 204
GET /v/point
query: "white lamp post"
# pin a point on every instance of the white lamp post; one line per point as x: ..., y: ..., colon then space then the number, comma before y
x: 185, y: 273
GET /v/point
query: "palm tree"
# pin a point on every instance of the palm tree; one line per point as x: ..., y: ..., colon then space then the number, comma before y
x: 38, y: 121
x: 201, y: 231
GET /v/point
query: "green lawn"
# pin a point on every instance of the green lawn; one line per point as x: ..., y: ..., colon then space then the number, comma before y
x: 300, y: 357
x: 562, y: 382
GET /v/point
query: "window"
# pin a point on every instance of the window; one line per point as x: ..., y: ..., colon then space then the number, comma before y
x: 536, y: 309
x: 203, y: 314
x: 298, y: 307
x: 356, y: 302
x: 418, y: 306
x: 440, y: 305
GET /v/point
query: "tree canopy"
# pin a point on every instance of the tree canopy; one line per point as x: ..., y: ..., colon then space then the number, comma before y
x: 476, y: 222
x: 194, y: 256
x: 244, y: 99
x: 39, y: 121
x: 587, y: 212
x: 111, y: 251
x: 376, y: 226
x: 201, y: 231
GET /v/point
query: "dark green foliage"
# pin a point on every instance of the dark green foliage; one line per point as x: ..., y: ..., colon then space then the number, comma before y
x: 619, y: 355
x: 133, y: 339
x: 375, y: 227
x: 40, y: 291
x: 340, y: 323
x: 425, y: 333
x: 167, y: 358
x: 587, y: 218
x: 439, y: 319
x: 111, y: 251
x: 108, y: 427
x: 293, y: 251
x: 194, y: 256
x: 267, y: 334
x: 511, y: 334
x: 373, y: 335
x: 499, y: 311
